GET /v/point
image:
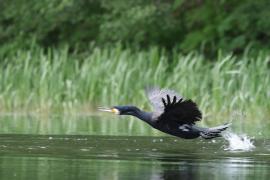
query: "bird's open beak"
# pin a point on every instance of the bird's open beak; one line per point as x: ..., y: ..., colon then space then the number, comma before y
x: 112, y: 110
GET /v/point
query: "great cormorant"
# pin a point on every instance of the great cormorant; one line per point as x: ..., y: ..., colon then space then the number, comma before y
x: 172, y: 115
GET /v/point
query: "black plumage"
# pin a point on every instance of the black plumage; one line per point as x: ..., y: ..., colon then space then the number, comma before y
x: 181, y: 111
x: 172, y: 115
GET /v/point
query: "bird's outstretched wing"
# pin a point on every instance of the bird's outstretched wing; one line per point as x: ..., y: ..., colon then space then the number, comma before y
x: 155, y: 96
x: 171, y: 107
x: 179, y: 111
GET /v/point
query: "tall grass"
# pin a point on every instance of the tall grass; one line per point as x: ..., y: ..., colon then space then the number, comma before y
x: 228, y: 88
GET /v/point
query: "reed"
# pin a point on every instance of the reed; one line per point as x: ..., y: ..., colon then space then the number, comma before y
x: 54, y: 81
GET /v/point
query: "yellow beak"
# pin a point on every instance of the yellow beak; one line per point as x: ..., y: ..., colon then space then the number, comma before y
x: 112, y: 110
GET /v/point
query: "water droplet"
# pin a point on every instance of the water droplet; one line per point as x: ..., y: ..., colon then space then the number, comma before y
x: 238, y: 142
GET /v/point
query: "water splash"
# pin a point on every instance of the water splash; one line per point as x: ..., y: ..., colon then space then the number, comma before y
x: 238, y: 142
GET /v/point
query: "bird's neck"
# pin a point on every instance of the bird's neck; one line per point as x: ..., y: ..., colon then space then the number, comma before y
x: 144, y: 116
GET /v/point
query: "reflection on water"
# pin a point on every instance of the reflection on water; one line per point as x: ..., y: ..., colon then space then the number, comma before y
x: 70, y: 124
x: 121, y: 157
x: 73, y: 124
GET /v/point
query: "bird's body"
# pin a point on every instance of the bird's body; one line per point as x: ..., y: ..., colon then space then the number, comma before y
x: 172, y: 115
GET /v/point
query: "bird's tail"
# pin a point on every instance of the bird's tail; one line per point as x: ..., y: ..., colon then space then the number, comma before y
x: 209, y: 133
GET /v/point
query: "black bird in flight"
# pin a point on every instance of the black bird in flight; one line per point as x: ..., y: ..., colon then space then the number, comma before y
x: 172, y: 115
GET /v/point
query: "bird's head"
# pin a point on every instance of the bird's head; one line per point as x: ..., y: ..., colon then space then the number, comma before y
x: 121, y: 110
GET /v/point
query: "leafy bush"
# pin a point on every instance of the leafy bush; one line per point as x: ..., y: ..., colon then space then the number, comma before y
x: 205, y: 24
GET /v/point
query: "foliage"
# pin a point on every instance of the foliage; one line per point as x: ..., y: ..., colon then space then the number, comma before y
x: 205, y: 24
x: 42, y: 81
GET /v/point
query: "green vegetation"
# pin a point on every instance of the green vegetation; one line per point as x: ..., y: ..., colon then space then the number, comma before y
x: 56, y: 81
x: 71, y: 56
x: 204, y: 25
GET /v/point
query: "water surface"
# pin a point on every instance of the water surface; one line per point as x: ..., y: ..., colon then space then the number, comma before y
x: 128, y: 157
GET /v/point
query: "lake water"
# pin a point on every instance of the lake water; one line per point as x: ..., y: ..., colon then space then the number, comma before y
x: 128, y: 157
